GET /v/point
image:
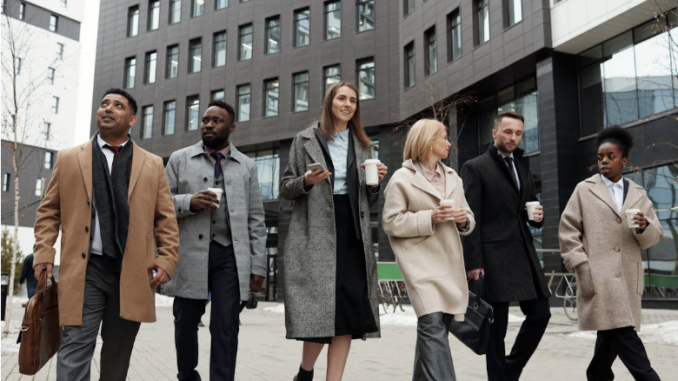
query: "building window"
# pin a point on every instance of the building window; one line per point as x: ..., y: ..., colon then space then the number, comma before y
x: 523, y: 98
x: 332, y: 20
x: 5, y: 181
x: 300, y: 91
x: 409, y: 65
x: 244, y: 96
x: 430, y: 56
x: 220, y: 4
x: 130, y: 72
x: 133, y: 21
x: 408, y: 7
x: 366, y: 78
x: 175, y: 11
x: 50, y: 75
x: 38, y: 187
x: 22, y: 11
x: 60, y: 51
x: 245, y: 38
x: 302, y: 27
x: 219, y: 49
x: 46, y: 127
x: 55, y: 105
x: 217, y: 95
x: 64, y: 3
x: 53, y: 23
x: 147, y: 122
x: 151, y: 67
x: 365, y: 15
x: 192, y: 113
x: 195, y: 55
x: 17, y: 66
x: 153, y: 14
x: 172, y: 64
x: 268, y: 172
x: 331, y: 75
x: 49, y: 159
x: 482, y: 20
x: 271, y: 89
x: 197, y: 8
x: 453, y: 36
x: 629, y: 77
x: 272, y: 35
x: 170, y: 114
x: 513, y: 12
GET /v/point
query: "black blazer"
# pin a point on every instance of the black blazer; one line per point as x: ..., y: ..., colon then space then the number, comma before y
x: 501, y: 242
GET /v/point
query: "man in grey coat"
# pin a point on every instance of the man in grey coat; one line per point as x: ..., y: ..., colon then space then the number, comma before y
x: 223, y: 242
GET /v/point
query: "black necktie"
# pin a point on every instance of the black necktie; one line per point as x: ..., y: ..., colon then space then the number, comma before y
x: 217, y: 166
x: 115, y: 150
x: 509, y: 161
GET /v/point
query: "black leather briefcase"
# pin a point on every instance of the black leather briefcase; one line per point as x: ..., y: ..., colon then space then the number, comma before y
x: 474, y: 331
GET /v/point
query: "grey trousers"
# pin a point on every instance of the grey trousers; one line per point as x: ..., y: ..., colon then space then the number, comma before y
x: 102, y: 304
x: 432, y: 358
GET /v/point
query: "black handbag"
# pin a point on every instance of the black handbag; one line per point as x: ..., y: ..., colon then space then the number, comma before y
x: 474, y: 331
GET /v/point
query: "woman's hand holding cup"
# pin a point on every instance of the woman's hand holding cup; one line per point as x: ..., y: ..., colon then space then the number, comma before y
x: 443, y: 213
x: 460, y: 217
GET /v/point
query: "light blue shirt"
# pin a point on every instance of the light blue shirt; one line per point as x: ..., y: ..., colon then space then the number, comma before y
x: 339, y: 154
x: 515, y: 171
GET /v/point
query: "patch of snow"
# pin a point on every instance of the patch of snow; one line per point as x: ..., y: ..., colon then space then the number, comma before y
x: 515, y: 319
x: 164, y: 300
x: 9, y: 344
x: 278, y: 309
x: 398, y: 318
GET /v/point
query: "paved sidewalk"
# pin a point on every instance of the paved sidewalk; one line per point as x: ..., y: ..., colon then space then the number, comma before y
x: 266, y: 355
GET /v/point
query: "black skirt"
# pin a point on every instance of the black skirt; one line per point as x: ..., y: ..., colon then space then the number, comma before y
x: 353, y: 314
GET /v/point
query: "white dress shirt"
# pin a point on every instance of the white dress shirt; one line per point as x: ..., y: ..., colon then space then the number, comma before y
x: 616, y: 191
x: 97, y: 245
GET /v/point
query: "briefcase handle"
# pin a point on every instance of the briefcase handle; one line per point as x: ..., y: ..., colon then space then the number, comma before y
x: 478, y: 290
x: 44, y: 286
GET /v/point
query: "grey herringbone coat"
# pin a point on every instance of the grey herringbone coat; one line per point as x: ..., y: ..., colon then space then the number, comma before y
x: 310, y: 248
x: 189, y: 171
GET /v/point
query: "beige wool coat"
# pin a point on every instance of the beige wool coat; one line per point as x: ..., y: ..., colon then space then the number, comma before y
x: 597, y: 244
x: 429, y: 256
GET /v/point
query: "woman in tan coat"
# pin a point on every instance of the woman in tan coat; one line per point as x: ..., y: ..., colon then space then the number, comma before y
x: 425, y: 236
x: 597, y: 243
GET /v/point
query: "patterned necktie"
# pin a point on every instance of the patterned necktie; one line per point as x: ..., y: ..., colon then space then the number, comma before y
x: 217, y: 166
x: 115, y: 150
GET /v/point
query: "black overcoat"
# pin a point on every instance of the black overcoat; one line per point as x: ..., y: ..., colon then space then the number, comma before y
x: 501, y: 242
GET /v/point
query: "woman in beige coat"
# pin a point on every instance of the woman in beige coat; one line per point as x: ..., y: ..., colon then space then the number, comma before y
x: 425, y: 236
x: 598, y: 245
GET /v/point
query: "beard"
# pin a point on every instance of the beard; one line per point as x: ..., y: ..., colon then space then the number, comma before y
x: 501, y: 146
x: 215, y: 142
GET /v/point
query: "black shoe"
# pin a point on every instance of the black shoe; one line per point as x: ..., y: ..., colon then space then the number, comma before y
x: 304, y: 375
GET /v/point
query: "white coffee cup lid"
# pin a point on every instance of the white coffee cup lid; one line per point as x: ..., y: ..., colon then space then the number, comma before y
x: 372, y: 161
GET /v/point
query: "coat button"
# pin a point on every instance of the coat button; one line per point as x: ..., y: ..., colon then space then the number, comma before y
x: 84, y: 256
x: 86, y: 229
x: 87, y: 202
x: 617, y: 249
x: 619, y: 220
x: 200, y: 236
x: 204, y: 179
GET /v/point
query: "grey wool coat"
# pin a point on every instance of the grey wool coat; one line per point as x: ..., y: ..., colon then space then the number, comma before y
x: 189, y: 171
x: 597, y: 244
x: 310, y: 248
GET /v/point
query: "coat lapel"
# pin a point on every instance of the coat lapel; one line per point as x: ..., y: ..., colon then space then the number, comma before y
x: 419, y: 181
x: 503, y: 168
x: 633, y: 196
x: 450, y: 183
x: 138, y: 159
x: 85, y: 159
x: 600, y: 190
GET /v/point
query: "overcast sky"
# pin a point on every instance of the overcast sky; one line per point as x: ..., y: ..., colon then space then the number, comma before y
x: 88, y: 41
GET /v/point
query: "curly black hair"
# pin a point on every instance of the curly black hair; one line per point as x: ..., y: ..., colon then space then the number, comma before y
x: 617, y: 135
x: 229, y: 109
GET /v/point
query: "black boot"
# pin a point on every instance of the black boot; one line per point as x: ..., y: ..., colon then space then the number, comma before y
x: 304, y: 375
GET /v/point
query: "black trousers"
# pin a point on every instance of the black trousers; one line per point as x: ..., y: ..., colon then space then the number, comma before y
x: 625, y: 343
x: 224, y: 318
x: 501, y: 367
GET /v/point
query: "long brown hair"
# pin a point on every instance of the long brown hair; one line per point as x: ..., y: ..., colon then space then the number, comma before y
x: 326, y: 124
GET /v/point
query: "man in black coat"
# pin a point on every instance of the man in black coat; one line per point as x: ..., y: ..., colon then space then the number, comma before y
x: 28, y: 275
x: 497, y: 186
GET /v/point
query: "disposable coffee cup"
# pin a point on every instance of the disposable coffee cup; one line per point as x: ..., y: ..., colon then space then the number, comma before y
x: 371, y: 173
x: 218, y: 192
x: 531, y: 206
x: 630, y: 213
x: 450, y: 202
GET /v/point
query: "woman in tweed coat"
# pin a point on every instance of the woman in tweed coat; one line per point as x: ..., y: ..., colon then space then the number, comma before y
x: 597, y: 244
x: 330, y: 270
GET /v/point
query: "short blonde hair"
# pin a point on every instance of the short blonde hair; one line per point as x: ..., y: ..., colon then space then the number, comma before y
x: 420, y: 137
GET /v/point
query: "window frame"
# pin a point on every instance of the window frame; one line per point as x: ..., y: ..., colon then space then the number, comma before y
x: 146, y: 127
x: 189, y: 104
x: 133, y: 14
x: 430, y: 39
x: 55, y: 104
x: 196, y: 9
x: 358, y: 14
x: 326, y: 18
x: 165, y: 111
x: 153, y: 15
x: 268, y: 88
x: 174, y: 13
x: 296, y: 23
x: 168, y: 61
x: 267, y: 35
x: 150, y: 65
x: 454, y: 29
x: 216, y: 41
x: 409, y: 73
x: 240, y: 103
x: 241, y: 34
x: 326, y: 77
x: 358, y: 65
x: 130, y: 72
x: 195, y: 61
x: 53, y: 23
x: 295, y: 85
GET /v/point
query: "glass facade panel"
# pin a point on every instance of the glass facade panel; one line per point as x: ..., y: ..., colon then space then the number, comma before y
x: 195, y: 53
x: 132, y: 21
x: 302, y: 27
x: 454, y: 36
x: 273, y: 35
x: 175, y: 11
x: 654, y: 75
x: 192, y: 113
x: 245, y: 37
x: 172, y: 64
x: 219, y: 49
x: 431, y: 60
x: 483, y: 20
x: 244, y: 100
x: 409, y: 65
x: 300, y: 92
x: 332, y: 74
x: 147, y: 123
x: 366, y: 79
x: 153, y: 15
x: 271, y: 102
x: 365, y: 15
x: 218, y: 95
x: 268, y: 173
x: 130, y: 72
x: 54, y: 22
x: 220, y: 4
x: 332, y: 20
x: 198, y: 8
x: 619, y: 88
x: 170, y: 117
x: 515, y: 12
x: 151, y: 67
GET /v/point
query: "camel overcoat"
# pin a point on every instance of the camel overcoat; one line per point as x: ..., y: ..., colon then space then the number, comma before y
x: 152, y: 222
x: 310, y: 256
x: 430, y: 256
x: 597, y: 244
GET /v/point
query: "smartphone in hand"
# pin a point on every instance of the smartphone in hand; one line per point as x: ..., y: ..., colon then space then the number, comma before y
x: 314, y: 166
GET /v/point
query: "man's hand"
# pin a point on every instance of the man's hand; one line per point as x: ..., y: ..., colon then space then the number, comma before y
x: 256, y: 281
x: 160, y: 278
x: 204, y: 200
x: 475, y: 274
x: 538, y: 213
x: 39, y: 268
